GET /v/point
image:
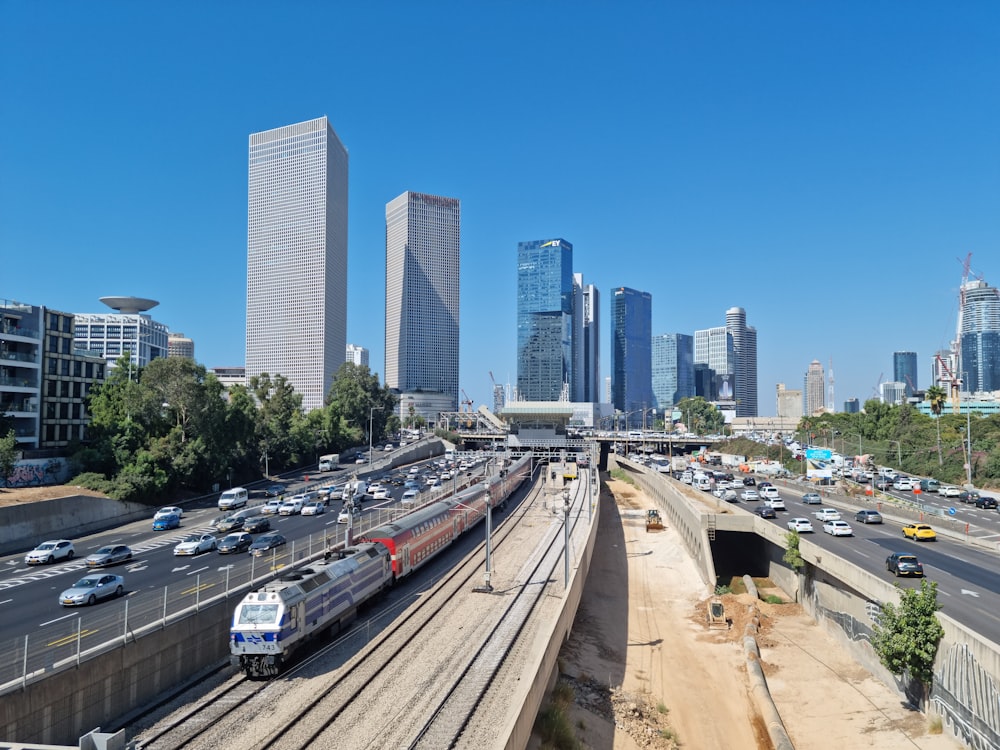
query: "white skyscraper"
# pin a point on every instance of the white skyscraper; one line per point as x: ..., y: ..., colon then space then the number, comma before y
x: 357, y: 355
x: 297, y: 257
x: 422, y: 242
x: 745, y: 361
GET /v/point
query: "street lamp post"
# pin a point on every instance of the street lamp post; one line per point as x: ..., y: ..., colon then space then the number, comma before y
x: 371, y: 417
x: 566, y: 538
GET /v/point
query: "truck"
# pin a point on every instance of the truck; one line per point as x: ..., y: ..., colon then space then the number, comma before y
x: 329, y: 461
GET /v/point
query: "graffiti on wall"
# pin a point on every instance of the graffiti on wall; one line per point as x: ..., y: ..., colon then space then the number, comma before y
x: 37, y: 473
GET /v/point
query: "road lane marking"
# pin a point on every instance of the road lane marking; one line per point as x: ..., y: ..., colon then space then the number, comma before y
x: 43, y: 624
x: 199, y: 570
x: 66, y: 640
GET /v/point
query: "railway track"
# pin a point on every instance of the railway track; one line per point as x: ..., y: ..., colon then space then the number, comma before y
x: 214, y: 717
x: 435, y: 707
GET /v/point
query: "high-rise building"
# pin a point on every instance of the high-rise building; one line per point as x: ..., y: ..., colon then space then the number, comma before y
x: 179, y: 345
x: 852, y: 406
x: 744, y: 361
x: 586, y: 341
x: 672, y: 368
x: 813, y: 393
x: 631, y: 353
x: 904, y: 370
x: 979, y: 337
x: 357, y: 355
x: 714, y: 347
x: 297, y: 257
x: 422, y: 240
x: 544, y: 320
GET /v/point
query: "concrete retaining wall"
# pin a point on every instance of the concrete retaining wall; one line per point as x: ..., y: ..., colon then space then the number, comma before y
x: 60, y: 709
x: 25, y: 525
x: 545, y: 671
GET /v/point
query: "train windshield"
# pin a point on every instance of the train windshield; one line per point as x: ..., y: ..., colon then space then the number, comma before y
x: 258, y: 614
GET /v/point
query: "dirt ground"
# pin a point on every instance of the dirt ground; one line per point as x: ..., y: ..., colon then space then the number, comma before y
x: 643, y: 670
x: 10, y: 496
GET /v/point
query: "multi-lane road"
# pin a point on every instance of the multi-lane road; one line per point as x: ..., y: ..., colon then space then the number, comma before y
x: 968, y: 586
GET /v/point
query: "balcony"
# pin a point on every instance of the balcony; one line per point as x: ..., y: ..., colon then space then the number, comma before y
x: 31, y: 357
x: 18, y: 382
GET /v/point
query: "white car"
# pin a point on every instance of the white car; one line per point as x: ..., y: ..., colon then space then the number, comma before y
x: 949, y: 490
x: 170, y: 510
x: 750, y: 496
x: 838, y: 528
x: 345, y: 515
x: 270, y: 508
x: 292, y: 506
x: 801, y: 525
x: 46, y: 552
x: 195, y: 544
x: 902, y: 483
x: 774, y: 503
x: 769, y: 492
x: 314, y: 508
x: 382, y: 493
x: 827, y: 514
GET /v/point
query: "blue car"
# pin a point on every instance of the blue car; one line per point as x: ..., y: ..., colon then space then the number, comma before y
x: 163, y: 523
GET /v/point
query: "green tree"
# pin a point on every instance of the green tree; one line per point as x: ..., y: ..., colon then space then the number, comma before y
x: 701, y: 416
x: 279, y: 412
x: 792, y: 556
x: 358, y: 397
x: 8, y: 455
x: 906, y: 636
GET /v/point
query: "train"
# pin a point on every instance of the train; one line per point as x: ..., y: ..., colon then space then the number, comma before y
x: 270, y: 624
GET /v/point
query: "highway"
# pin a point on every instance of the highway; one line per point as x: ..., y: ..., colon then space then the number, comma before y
x: 156, y: 581
x: 968, y: 588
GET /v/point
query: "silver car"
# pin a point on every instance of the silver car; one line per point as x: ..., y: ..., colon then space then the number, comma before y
x: 110, y: 555
x: 195, y: 544
x: 95, y: 586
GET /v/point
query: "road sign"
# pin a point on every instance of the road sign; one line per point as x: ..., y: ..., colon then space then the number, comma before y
x: 951, y: 511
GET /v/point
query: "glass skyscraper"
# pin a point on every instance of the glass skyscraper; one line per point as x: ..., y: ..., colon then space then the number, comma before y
x: 744, y: 361
x: 980, y: 337
x: 544, y: 320
x: 586, y: 342
x: 631, y: 352
x: 904, y: 370
x: 672, y: 368
x: 297, y: 257
x: 422, y: 242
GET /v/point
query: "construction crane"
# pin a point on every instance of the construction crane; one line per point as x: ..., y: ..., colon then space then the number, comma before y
x: 877, y: 390
x: 467, y: 402
x: 955, y: 384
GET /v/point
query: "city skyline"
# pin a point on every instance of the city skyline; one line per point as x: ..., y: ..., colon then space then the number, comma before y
x: 733, y: 158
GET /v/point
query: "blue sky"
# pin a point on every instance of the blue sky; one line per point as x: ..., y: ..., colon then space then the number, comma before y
x: 826, y: 166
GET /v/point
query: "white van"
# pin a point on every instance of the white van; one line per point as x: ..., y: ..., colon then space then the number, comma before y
x: 235, y: 498
x: 409, y: 498
x: 702, y: 482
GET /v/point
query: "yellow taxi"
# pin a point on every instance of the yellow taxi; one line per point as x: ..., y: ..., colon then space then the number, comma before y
x: 920, y: 532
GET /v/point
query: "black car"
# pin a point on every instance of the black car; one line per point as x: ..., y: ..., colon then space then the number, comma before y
x: 987, y: 502
x: 765, y: 511
x: 275, y: 490
x: 868, y: 516
x: 257, y: 524
x: 265, y: 543
x: 239, y: 542
x: 883, y: 483
x: 749, y: 482
x: 904, y: 564
x: 968, y: 497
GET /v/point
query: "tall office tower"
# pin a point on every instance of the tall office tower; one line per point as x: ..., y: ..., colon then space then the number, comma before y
x: 904, y: 370
x: 631, y: 353
x: 297, y: 257
x: 586, y: 342
x: 704, y: 382
x: 714, y: 347
x: 357, y: 355
x: 744, y: 361
x: 851, y: 406
x: 980, y: 337
x: 812, y: 394
x: 422, y: 239
x: 789, y: 402
x: 672, y: 368
x: 544, y: 319
x: 179, y: 345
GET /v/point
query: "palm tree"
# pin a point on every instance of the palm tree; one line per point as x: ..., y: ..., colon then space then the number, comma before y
x: 936, y: 397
